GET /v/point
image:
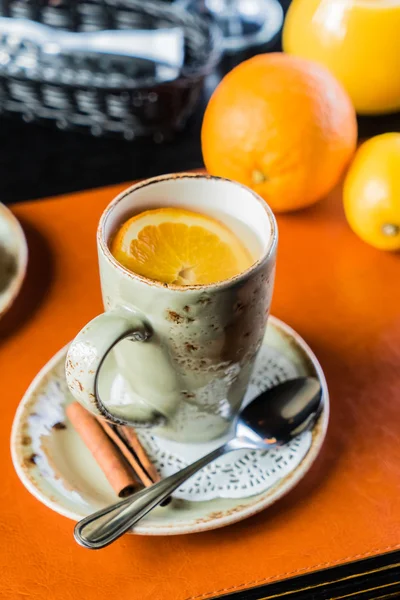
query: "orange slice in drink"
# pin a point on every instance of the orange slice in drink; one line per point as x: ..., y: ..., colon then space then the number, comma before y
x: 179, y: 247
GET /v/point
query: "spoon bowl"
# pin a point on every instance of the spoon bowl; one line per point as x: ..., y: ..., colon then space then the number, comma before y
x: 280, y: 414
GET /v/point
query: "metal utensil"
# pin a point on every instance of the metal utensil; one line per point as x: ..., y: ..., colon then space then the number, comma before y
x: 163, y: 46
x: 273, y: 418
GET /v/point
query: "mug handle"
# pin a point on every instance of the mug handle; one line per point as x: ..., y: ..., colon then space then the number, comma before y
x: 88, y: 351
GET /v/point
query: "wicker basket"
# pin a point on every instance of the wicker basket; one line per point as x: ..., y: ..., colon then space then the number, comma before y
x: 104, y: 95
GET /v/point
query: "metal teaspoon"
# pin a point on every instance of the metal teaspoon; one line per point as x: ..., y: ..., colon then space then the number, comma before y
x: 272, y: 419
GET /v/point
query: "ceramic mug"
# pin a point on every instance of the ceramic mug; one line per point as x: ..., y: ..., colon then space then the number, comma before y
x: 181, y: 356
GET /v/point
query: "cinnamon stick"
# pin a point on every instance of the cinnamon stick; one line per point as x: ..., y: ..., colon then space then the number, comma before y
x: 113, y: 433
x: 106, y: 454
x: 130, y: 437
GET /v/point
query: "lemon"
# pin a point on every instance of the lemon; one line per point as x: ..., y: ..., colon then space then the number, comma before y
x: 371, y: 193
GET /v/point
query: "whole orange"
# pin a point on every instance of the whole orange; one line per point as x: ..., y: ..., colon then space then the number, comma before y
x: 283, y: 126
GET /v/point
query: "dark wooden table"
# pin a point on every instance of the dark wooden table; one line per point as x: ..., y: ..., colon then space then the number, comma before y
x: 38, y: 161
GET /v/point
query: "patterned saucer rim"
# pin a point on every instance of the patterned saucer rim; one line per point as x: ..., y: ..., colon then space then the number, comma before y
x: 215, y: 519
x: 20, y: 253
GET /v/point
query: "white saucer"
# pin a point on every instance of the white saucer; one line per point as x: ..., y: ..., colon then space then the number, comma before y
x: 56, y: 467
x: 13, y: 258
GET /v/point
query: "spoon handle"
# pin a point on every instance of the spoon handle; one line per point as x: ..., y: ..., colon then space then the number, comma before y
x: 99, y: 529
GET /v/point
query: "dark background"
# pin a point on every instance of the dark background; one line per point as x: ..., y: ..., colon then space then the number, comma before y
x: 38, y: 161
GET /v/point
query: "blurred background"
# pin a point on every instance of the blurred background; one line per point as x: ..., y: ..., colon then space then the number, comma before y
x: 99, y: 92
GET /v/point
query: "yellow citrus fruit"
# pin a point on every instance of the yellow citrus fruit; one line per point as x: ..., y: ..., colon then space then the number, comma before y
x: 179, y: 247
x: 371, y: 192
x: 359, y: 42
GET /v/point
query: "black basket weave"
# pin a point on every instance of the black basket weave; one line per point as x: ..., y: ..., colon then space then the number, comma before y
x: 104, y: 95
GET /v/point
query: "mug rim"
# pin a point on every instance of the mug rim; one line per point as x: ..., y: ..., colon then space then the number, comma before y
x: 266, y: 254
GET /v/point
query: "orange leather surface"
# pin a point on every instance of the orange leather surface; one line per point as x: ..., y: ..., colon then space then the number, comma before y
x: 342, y: 296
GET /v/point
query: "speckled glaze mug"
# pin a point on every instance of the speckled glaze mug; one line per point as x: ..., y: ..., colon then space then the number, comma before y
x: 182, y: 355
